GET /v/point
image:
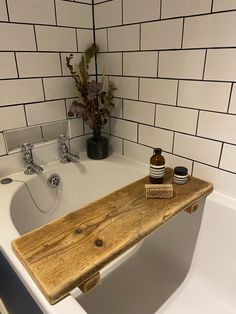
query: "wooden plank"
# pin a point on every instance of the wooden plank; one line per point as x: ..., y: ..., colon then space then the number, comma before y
x: 66, y: 252
x: 90, y: 283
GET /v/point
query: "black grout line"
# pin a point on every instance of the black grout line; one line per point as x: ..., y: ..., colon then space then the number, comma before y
x: 35, y: 38
x: 177, y: 94
x: 55, y: 11
x: 107, y: 38
x: 122, y: 12
x: 221, y: 151
x: 44, y: 95
x: 76, y: 39
x: 198, y: 116
x: 17, y: 69
x: 182, y: 36
x: 140, y: 37
x: 173, y: 143
x: 212, y: 1
x: 192, y: 167
x: 26, y: 120
x: 160, y: 9
x: 230, y: 96
x: 155, y: 111
x: 204, y: 65
x: 8, y: 15
x: 158, y: 60
x: 60, y: 56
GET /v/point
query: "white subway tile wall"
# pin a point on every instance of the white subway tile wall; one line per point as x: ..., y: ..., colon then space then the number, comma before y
x: 178, y: 82
x: 174, y: 65
x: 36, y: 36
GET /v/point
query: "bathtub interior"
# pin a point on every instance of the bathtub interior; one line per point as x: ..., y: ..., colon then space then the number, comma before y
x: 80, y: 184
x: 145, y: 280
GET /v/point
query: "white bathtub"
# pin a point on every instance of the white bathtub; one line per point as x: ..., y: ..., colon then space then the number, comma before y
x: 140, y: 281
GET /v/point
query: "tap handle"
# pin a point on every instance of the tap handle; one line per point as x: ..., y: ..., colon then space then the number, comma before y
x: 26, y: 147
x: 62, y: 139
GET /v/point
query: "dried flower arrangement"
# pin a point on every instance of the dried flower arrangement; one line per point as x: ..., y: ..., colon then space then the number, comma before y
x: 94, y: 101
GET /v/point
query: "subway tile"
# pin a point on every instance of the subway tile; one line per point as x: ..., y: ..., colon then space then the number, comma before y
x: 155, y: 137
x: 12, y: 118
x: 136, y: 11
x: 59, y: 87
x: 173, y: 161
x: 45, y: 112
x: 198, y: 149
x: 32, y: 11
x: 124, y: 129
x: 51, y: 38
x: 11, y: 164
x: 213, y: 30
x: 46, y: 152
x: 31, y: 64
x: 140, y: 63
x: 116, y: 145
x: 2, y: 145
x: 185, y: 64
x: 152, y: 34
x: 217, y: 126
x: 158, y: 90
x: 137, y: 152
x: 76, y: 59
x: 219, y: 5
x: 127, y: 87
x: 228, y: 158
x: 176, y: 119
x: 129, y: 36
x: 101, y: 39
x: 15, y: 138
x: 232, y: 107
x: 54, y: 130
x: 117, y: 110
x: 73, y: 14
x: 85, y: 39
x: 173, y: 8
x: 110, y: 63
x: 212, y: 96
x: 223, y: 181
x: 221, y: 65
x: 20, y: 91
x: 7, y: 65
x: 76, y: 127
x: 139, y: 111
x: 17, y: 37
x: 3, y: 11
x: 108, y: 14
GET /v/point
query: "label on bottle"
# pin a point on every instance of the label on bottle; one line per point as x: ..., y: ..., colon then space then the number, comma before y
x: 157, y: 171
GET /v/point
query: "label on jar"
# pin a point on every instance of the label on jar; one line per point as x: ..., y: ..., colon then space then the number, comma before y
x: 157, y: 171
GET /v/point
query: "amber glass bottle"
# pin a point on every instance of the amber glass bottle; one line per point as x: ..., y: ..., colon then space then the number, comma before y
x: 157, y: 167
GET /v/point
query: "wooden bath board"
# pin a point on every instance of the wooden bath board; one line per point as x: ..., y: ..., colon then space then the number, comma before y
x: 70, y: 251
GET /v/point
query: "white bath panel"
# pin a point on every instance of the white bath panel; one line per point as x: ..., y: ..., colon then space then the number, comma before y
x: 3, y: 309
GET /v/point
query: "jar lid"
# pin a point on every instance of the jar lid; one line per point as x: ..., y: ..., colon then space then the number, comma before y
x: 157, y: 151
x: 181, y: 171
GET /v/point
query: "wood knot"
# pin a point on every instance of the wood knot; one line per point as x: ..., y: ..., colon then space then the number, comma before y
x: 78, y: 231
x: 99, y: 243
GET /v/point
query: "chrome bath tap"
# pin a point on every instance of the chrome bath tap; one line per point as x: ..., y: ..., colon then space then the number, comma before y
x: 65, y: 154
x: 31, y: 166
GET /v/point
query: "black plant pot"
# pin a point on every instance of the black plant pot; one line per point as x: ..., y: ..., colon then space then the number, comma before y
x: 97, y: 145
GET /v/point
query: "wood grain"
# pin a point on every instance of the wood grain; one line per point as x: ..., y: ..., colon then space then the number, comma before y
x: 68, y: 251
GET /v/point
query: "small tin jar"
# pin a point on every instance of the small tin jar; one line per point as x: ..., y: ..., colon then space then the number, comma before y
x: 180, y: 175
